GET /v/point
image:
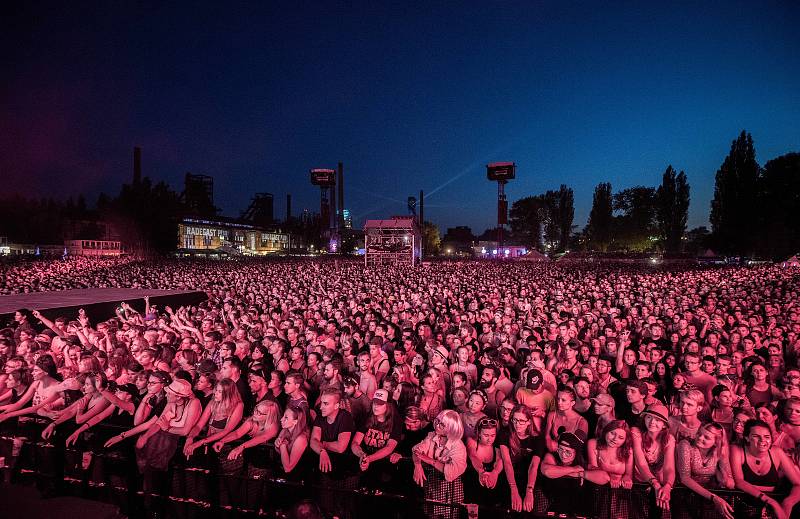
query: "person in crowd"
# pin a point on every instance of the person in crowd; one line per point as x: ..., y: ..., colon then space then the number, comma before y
x: 376, y: 440
x: 757, y: 387
x: 439, y: 461
x: 563, y: 419
x: 563, y: 475
x: 759, y: 467
x: 604, y: 406
x: 44, y: 394
x: 692, y: 408
x: 702, y: 465
x: 330, y: 440
x: 486, y: 461
x: 473, y: 413
x: 292, y: 440
x: 722, y: 404
x: 610, y: 456
x: 219, y: 418
x: 522, y: 453
x: 654, y: 454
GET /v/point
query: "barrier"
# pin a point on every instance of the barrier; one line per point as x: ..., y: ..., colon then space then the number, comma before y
x: 188, y: 491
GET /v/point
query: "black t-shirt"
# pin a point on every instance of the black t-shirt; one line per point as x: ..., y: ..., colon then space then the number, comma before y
x: 341, y: 463
x: 529, y: 447
x: 409, y: 439
x: 376, y: 437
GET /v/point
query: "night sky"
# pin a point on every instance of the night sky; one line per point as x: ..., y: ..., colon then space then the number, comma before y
x: 409, y: 96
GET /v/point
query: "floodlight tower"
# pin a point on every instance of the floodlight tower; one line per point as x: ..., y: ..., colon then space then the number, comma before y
x: 326, y: 180
x: 501, y: 172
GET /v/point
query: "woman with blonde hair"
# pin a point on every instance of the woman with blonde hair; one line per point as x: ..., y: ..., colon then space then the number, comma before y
x: 219, y: 418
x: 702, y: 463
x: 445, y: 459
x: 258, y: 429
x: 691, y: 408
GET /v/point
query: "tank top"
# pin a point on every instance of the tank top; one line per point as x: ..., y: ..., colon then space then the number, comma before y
x: 770, y: 479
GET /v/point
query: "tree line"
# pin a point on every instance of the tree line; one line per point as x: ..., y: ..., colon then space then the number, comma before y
x: 753, y: 212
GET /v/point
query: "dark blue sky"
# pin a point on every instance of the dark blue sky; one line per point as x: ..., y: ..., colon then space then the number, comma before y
x: 409, y: 96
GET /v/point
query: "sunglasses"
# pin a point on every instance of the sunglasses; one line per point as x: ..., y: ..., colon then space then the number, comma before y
x: 487, y: 422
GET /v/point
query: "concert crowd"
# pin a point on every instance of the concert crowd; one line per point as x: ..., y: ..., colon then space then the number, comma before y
x: 584, y: 390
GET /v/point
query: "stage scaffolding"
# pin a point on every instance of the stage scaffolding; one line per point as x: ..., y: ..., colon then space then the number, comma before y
x: 396, y: 241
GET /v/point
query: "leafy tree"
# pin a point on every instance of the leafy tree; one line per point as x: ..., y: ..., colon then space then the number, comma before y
x: 566, y: 215
x: 779, y: 206
x: 526, y: 221
x: 598, y: 230
x: 634, y: 228
x: 697, y: 240
x: 733, y: 223
x: 672, y: 200
x: 431, y: 240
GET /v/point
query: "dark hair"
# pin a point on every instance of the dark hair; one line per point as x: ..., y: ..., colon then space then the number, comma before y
x: 624, y: 450
x: 234, y: 362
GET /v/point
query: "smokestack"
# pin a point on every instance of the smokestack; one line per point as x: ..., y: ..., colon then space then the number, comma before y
x: 421, y: 209
x: 137, y: 165
x: 288, y: 207
x: 341, y: 195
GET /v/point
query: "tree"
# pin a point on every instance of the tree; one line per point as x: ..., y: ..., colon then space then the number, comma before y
x: 526, y: 221
x: 697, y: 240
x: 598, y: 230
x: 635, y: 226
x: 566, y: 215
x: 672, y: 200
x: 431, y: 242
x: 733, y: 223
x: 779, y: 205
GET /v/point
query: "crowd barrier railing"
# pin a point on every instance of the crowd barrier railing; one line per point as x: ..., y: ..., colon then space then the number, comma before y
x: 195, y: 491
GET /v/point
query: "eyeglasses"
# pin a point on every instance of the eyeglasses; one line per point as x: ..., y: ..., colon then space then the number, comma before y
x: 437, y: 422
x: 519, y: 421
x: 153, y: 382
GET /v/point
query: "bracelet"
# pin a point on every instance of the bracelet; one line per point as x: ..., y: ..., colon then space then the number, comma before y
x: 122, y: 435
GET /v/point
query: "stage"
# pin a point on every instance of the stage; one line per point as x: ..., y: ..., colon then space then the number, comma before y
x: 99, y: 303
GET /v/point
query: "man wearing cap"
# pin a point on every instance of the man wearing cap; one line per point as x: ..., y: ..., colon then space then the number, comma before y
x: 535, y: 397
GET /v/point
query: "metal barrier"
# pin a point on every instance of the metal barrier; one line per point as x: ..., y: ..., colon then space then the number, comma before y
x: 188, y: 491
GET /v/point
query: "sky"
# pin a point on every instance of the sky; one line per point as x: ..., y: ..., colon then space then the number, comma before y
x: 409, y: 96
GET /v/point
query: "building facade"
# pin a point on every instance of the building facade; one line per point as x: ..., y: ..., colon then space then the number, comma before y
x: 219, y: 235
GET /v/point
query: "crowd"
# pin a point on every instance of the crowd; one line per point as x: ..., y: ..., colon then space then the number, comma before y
x: 502, y: 384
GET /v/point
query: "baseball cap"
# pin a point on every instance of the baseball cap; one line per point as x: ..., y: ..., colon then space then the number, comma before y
x: 533, y: 380
x: 381, y: 395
